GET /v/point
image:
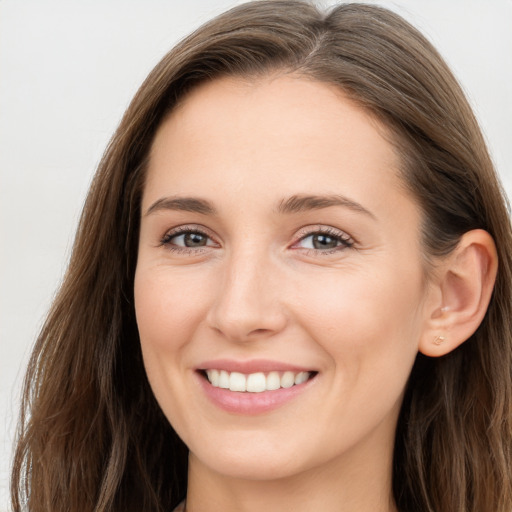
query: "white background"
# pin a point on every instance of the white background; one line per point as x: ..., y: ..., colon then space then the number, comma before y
x: 68, y: 69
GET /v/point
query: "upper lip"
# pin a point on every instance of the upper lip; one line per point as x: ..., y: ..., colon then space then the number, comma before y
x: 251, y: 366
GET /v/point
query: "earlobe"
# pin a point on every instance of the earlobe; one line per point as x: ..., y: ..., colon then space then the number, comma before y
x: 463, y: 289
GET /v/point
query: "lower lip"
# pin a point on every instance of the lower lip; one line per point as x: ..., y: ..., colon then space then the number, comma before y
x: 251, y: 403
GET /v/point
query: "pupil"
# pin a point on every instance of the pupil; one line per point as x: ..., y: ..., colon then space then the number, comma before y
x: 324, y: 242
x: 195, y: 240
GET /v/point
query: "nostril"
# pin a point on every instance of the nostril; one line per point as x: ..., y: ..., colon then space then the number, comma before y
x: 259, y: 331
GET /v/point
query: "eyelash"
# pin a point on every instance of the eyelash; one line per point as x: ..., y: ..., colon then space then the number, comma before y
x: 343, y: 240
x: 184, y: 230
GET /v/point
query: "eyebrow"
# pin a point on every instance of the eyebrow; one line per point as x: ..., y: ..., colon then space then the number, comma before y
x: 185, y: 204
x: 301, y: 203
x: 293, y: 204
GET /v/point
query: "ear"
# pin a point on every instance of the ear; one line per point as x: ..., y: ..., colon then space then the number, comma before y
x: 459, y: 294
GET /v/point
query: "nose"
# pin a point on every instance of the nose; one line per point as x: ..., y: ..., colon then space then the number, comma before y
x: 249, y: 301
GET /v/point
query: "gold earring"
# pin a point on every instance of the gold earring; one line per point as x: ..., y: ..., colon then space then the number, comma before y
x: 439, y: 340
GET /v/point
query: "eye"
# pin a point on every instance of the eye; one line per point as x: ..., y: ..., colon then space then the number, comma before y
x: 191, y: 239
x: 325, y: 240
x: 187, y: 238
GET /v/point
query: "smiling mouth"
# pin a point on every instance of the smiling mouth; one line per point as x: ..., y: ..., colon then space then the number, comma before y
x: 256, y: 382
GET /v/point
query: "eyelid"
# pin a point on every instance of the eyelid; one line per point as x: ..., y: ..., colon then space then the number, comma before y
x: 186, y: 228
x: 347, y: 240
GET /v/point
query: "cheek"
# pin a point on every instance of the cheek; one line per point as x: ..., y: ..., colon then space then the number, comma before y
x: 168, y: 307
x: 365, y: 319
x: 168, y: 311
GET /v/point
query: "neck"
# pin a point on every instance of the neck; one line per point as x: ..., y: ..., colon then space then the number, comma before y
x: 353, y: 483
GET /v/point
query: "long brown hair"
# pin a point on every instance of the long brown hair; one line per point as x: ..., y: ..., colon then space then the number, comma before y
x: 92, y: 437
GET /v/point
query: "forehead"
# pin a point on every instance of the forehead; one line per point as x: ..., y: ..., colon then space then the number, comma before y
x: 285, y: 132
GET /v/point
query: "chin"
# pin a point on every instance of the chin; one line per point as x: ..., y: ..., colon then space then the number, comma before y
x: 256, y: 468
x: 255, y: 455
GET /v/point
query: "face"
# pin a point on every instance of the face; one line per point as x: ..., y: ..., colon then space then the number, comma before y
x: 280, y: 255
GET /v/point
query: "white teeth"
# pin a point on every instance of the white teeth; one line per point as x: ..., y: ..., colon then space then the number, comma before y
x: 273, y: 381
x: 223, y: 379
x: 237, y: 382
x: 213, y: 376
x: 287, y: 380
x: 301, y: 377
x: 255, y: 382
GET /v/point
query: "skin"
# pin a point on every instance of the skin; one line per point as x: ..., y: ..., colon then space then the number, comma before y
x: 261, y: 289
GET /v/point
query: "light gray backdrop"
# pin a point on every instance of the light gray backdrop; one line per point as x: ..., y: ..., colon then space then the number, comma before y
x: 67, y: 72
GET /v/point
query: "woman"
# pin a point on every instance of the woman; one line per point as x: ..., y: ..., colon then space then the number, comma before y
x: 290, y: 287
